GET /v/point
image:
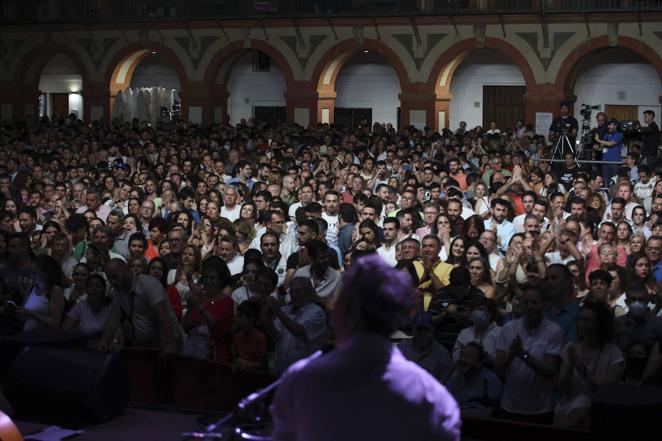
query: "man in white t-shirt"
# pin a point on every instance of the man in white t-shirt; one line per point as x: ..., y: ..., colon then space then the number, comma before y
x: 228, y: 249
x: 230, y: 209
x: 488, y: 239
x: 528, y: 352
x: 330, y: 215
x: 528, y: 199
x: 306, y: 196
x: 387, y: 250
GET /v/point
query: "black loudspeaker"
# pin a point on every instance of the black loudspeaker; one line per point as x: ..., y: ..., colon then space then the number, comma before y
x: 628, y: 412
x: 75, y: 385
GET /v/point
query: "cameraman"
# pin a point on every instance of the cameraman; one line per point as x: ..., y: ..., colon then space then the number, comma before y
x: 612, y: 144
x: 565, y: 124
x: 651, y: 140
x: 600, y: 130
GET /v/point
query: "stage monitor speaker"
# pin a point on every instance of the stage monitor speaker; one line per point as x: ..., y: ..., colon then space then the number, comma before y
x: 628, y: 412
x: 75, y: 385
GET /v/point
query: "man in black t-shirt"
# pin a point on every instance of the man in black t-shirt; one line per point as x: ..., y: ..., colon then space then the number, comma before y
x: 565, y: 124
x: 569, y: 170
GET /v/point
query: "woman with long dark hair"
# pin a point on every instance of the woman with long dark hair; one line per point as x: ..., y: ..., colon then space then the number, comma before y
x: 481, y: 278
x: 457, y: 255
x: 157, y: 269
x: 208, y: 320
x: 639, y: 270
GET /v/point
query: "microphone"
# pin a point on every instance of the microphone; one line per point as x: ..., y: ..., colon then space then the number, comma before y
x: 212, y: 431
x: 259, y: 395
x: 216, y: 430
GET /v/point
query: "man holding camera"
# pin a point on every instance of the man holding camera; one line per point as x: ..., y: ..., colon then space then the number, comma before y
x: 651, y: 140
x: 565, y: 124
x: 600, y: 130
x: 612, y: 143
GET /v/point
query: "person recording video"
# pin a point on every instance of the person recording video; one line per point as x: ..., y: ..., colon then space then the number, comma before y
x: 600, y: 130
x: 565, y: 124
x: 651, y: 139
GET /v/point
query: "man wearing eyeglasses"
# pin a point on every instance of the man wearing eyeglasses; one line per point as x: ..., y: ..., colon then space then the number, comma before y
x: 654, y: 253
x: 496, y: 166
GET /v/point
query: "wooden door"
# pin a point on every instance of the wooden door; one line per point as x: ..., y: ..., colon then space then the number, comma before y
x: 622, y: 113
x: 60, y: 103
x: 352, y: 117
x: 503, y: 105
x: 272, y: 115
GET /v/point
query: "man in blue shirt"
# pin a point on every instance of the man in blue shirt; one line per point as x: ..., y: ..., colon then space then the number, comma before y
x: 611, y: 149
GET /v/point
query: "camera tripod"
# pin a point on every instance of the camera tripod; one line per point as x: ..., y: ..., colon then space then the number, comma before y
x: 563, y: 143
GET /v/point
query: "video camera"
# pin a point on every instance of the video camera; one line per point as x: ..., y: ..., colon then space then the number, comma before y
x: 586, y: 110
x: 630, y: 126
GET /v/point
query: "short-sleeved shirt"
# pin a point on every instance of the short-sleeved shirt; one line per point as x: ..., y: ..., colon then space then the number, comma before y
x: 290, y: 348
x: 487, y: 341
x: 613, y: 153
x: 327, y: 286
x: 138, y: 310
x: 504, y: 232
x: 443, y: 272
x: 525, y: 391
x: 89, y: 322
x: 597, y: 366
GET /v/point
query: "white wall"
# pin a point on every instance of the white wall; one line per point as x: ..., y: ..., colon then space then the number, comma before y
x: 250, y: 89
x: 60, y: 75
x: 618, y: 70
x: 153, y: 72
x: 479, y: 69
x: 369, y: 81
x: 60, y: 83
x: 76, y: 104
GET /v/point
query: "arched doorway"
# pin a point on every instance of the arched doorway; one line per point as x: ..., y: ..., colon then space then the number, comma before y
x: 348, y: 75
x: 486, y: 87
x: 238, y: 73
x: 491, y: 83
x: 146, y: 84
x: 256, y: 88
x: 60, y: 88
x: 367, y: 89
x: 43, y: 72
x: 620, y: 81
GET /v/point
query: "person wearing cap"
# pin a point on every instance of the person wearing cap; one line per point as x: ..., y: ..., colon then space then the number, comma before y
x: 611, y: 149
x: 424, y: 350
x: 476, y: 388
x: 332, y: 396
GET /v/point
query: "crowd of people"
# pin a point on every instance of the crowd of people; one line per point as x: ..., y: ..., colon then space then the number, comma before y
x: 534, y: 282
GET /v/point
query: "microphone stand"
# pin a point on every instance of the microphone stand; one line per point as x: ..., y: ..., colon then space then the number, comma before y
x: 216, y: 430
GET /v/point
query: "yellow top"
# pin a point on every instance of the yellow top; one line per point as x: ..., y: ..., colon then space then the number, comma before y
x: 443, y: 272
